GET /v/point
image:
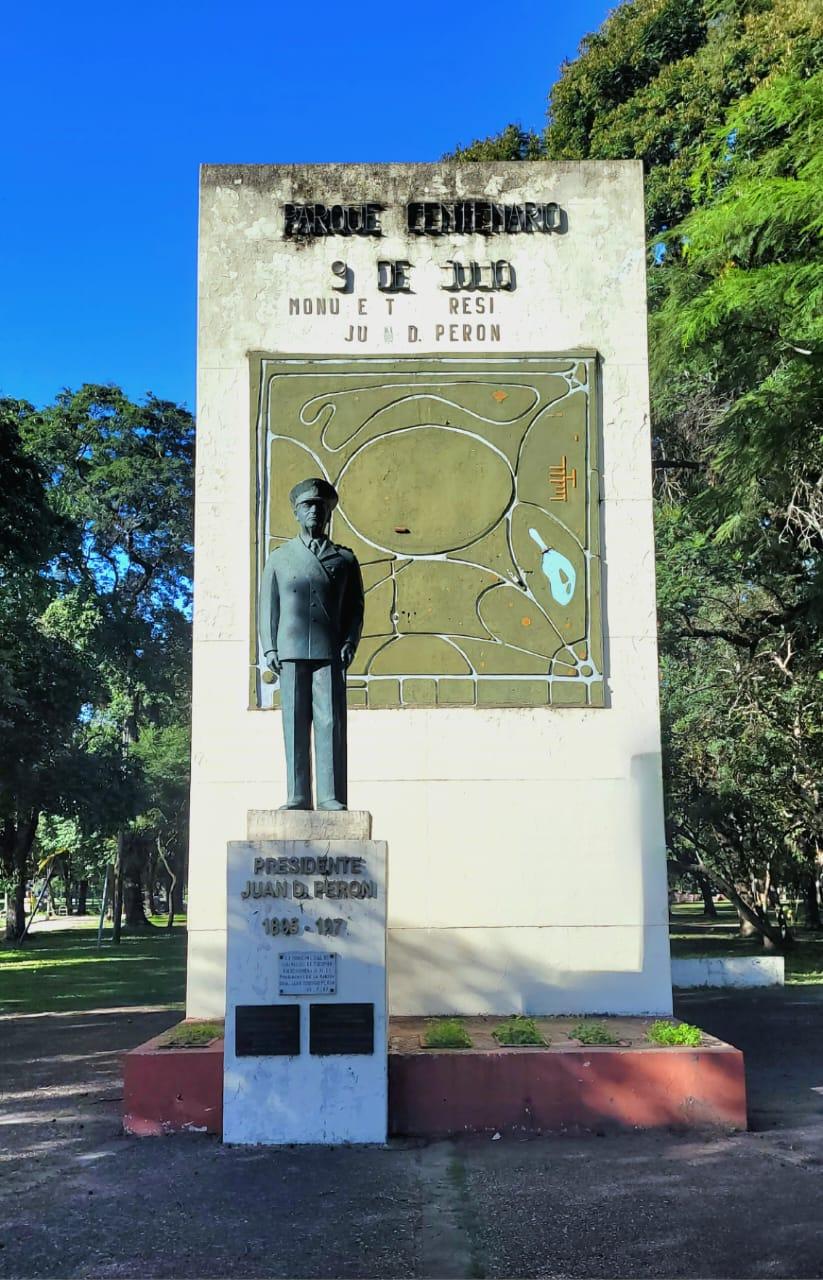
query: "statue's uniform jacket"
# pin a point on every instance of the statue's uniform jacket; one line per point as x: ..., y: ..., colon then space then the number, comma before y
x: 310, y: 605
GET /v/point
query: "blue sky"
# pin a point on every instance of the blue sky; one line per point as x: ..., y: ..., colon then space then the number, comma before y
x: 108, y: 110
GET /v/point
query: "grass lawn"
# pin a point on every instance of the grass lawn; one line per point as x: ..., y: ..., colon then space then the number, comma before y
x: 63, y: 970
x: 693, y: 934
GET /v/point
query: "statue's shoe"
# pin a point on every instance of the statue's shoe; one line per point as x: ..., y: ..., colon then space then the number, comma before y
x: 331, y: 805
x: 296, y: 804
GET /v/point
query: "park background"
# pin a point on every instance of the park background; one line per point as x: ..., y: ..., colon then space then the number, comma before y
x: 721, y: 99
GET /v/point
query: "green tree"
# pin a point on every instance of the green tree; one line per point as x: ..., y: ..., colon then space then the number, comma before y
x: 79, y: 857
x: 46, y: 677
x: 29, y: 532
x: 741, y: 318
x: 656, y: 83
x: 94, y: 618
x: 513, y: 143
x: 123, y: 473
x: 743, y: 739
x: 742, y: 314
x: 162, y: 753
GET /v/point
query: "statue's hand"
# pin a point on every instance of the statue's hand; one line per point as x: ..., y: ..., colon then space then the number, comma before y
x: 347, y: 655
x: 273, y: 662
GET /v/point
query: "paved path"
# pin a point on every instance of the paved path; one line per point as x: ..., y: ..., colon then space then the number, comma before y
x: 77, y: 1199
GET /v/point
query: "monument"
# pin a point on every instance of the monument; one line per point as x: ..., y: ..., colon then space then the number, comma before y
x: 458, y: 354
x: 305, y: 1058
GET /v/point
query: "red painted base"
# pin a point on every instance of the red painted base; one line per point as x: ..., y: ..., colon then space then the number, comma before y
x: 442, y: 1093
x: 170, y: 1090
x: 539, y: 1091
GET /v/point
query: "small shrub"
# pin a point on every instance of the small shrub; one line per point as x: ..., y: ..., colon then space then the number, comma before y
x: 593, y: 1033
x: 191, y: 1035
x: 447, y: 1033
x: 663, y: 1032
x: 518, y: 1030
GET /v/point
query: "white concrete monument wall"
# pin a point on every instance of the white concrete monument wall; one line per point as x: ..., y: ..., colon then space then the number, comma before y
x: 526, y: 845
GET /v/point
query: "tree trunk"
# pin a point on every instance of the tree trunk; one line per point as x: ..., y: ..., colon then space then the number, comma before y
x: 133, y: 903
x: 176, y: 899
x: 812, y: 895
x: 709, y: 909
x: 151, y: 883
x: 170, y: 865
x: 9, y: 921
x: 16, y: 910
x: 117, y: 895
x: 786, y: 940
x: 134, y: 857
x: 82, y: 894
x: 758, y: 920
x: 177, y: 868
x: 747, y: 929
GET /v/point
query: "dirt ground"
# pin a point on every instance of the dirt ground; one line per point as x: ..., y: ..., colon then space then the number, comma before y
x: 77, y: 1199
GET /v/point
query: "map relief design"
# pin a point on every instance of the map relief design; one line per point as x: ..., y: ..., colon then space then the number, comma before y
x: 469, y: 493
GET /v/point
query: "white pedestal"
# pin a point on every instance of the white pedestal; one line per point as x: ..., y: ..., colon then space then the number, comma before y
x: 306, y: 1016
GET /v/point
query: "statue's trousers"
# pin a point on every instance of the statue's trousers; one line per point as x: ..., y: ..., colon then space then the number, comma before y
x: 314, y: 694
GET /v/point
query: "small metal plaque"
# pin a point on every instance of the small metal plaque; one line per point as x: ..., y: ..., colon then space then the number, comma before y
x: 307, y: 973
x: 267, y: 1030
x: 341, y: 1028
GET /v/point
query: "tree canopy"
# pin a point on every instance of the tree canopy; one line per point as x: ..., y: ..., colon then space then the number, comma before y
x: 659, y: 79
x: 95, y: 588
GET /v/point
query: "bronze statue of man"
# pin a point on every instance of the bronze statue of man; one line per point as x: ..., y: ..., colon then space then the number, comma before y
x: 311, y: 616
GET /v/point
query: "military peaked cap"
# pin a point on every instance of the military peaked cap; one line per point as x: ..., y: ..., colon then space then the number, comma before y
x: 316, y: 488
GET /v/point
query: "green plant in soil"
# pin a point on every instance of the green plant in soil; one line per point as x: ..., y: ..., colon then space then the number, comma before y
x: 518, y: 1030
x: 191, y: 1035
x: 663, y: 1032
x: 447, y: 1033
x: 593, y: 1033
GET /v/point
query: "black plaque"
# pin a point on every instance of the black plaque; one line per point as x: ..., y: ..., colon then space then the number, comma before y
x: 341, y: 1028
x: 266, y: 1030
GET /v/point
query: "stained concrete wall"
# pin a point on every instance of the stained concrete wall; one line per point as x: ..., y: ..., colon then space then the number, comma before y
x: 526, y: 845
